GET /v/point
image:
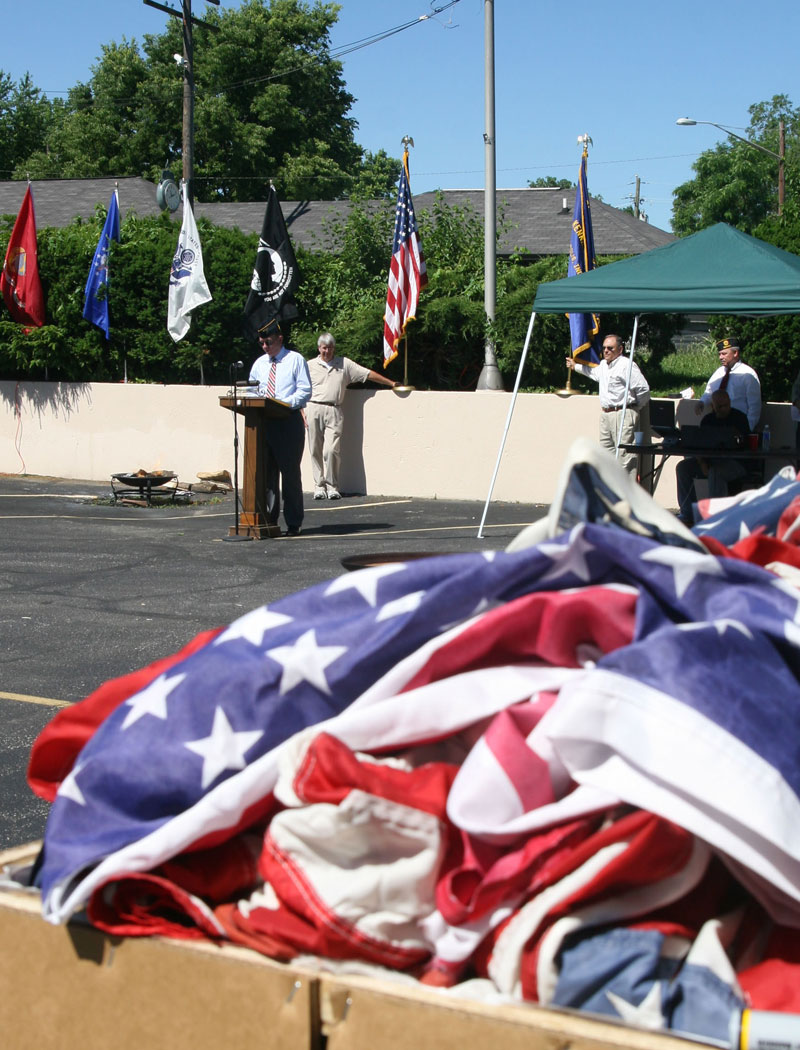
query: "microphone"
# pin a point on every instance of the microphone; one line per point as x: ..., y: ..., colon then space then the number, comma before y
x: 238, y: 364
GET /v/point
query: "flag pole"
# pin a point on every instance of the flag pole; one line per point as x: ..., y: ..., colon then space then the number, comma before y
x: 405, y: 388
x: 586, y: 262
x: 407, y: 274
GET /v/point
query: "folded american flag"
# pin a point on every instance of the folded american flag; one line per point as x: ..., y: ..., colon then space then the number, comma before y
x: 505, y: 725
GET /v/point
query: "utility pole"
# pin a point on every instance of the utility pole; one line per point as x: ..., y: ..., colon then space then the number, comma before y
x: 188, y: 104
x: 636, y: 198
x: 187, y: 142
x: 490, y: 377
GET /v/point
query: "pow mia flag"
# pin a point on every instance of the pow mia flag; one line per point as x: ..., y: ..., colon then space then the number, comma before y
x: 275, y: 276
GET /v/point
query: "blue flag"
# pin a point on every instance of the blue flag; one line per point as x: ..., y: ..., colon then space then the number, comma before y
x: 95, y: 306
x: 583, y: 328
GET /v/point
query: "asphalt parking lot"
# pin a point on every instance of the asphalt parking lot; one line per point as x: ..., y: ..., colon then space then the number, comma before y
x: 93, y: 589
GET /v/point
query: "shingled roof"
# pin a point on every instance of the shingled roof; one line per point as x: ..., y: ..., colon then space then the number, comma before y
x: 534, y: 221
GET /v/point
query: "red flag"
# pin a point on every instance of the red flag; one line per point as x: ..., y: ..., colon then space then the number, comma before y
x: 407, y: 273
x: 19, y: 281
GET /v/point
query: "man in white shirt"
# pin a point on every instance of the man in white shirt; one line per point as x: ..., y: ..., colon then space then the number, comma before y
x: 619, y: 420
x: 739, y: 381
x: 282, y: 374
x: 330, y: 376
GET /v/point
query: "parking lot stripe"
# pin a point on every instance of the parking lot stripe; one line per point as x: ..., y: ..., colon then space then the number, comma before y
x: 43, y: 700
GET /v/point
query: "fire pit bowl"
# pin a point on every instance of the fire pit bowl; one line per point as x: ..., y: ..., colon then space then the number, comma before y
x: 149, y: 480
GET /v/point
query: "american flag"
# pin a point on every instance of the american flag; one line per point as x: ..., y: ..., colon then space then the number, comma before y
x: 407, y: 273
x: 497, y: 747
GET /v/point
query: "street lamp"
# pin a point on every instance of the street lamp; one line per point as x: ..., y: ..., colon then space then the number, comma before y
x: 780, y: 156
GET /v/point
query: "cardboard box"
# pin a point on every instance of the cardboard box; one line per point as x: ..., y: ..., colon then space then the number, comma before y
x: 75, y: 988
x: 361, y: 1013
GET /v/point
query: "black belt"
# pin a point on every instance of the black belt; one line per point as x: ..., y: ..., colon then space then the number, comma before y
x: 331, y: 404
x: 618, y: 408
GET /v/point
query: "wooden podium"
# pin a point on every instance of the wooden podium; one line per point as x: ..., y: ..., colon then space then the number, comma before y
x: 255, y: 412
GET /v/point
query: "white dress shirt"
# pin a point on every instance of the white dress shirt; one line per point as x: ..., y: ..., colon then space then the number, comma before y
x: 613, y: 378
x: 744, y: 390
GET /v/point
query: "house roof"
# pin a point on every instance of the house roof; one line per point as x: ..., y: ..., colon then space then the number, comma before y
x: 534, y: 221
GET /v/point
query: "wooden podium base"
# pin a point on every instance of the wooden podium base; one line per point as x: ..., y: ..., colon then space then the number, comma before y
x: 259, y: 531
x: 256, y: 411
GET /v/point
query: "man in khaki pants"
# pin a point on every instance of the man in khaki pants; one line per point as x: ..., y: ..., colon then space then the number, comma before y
x: 330, y: 377
x: 612, y: 375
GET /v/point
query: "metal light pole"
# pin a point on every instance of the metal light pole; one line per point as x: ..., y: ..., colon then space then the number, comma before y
x: 490, y: 377
x: 687, y: 122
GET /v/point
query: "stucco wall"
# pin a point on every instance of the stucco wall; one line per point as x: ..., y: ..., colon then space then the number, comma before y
x: 423, y: 443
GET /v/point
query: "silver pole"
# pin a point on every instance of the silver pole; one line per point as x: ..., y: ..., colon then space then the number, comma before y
x: 508, y: 424
x: 627, y: 387
x: 490, y: 377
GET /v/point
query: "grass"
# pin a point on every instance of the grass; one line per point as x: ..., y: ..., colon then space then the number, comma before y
x: 689, y: 366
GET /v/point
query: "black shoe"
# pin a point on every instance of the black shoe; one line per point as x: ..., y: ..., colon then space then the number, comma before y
x: 292, y: 532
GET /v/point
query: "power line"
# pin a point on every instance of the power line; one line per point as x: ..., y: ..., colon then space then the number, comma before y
x: 336, y: 53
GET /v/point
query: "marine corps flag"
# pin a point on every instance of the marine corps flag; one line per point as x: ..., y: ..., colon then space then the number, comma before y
x: 20, y: 285
x: 275, y: 275
x: 583, y: 328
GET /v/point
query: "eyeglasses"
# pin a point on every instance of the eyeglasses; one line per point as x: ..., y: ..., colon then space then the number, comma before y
x: 609, y: 348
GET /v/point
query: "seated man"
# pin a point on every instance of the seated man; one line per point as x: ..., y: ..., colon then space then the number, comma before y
x: 718, y: 471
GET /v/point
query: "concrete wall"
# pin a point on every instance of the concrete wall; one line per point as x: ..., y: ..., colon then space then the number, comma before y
x: 423, y: 443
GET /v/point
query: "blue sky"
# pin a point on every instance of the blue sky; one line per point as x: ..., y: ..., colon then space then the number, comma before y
x: 621, y: 72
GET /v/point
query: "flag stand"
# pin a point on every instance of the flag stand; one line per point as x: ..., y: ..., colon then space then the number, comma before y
x: 404, y: 388
x: 567, y: 390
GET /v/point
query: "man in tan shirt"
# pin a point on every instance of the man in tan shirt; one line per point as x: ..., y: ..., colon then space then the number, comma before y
x: 330, y: 377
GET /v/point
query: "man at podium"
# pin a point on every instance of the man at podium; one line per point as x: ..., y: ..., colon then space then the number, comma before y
x: 282, y: 374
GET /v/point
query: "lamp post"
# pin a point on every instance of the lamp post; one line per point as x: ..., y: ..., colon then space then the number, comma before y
x: 490, y: 377
x: 685, y: 122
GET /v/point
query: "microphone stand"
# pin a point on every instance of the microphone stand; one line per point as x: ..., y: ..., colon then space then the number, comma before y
x: 235, y: 535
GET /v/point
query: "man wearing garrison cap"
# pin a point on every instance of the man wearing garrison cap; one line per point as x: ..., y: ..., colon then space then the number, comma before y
x: 738, y: 380
x: 282, y: 374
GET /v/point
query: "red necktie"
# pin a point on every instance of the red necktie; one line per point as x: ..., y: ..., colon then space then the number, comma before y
x: 271, y: 380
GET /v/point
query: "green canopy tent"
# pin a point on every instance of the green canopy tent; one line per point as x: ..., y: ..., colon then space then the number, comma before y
x: 718, y: 270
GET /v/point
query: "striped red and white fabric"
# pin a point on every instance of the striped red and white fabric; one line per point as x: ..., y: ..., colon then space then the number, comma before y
x: 407, y: 272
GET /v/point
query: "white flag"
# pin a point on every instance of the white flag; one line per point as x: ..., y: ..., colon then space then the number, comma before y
x: 187, y: 283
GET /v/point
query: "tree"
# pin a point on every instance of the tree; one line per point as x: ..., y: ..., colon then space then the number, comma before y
x: 270, y: 105
x: 734, y: 182
x: 377, y: 177
x: 551, y: 182
x: 738, y: 185
x: 25, y: 119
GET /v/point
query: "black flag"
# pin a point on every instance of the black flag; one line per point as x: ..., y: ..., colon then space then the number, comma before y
x: 275, y: 276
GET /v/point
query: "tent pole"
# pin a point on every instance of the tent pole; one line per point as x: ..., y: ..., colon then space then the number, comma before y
x: 508, y: 423
x: 627, y: 386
